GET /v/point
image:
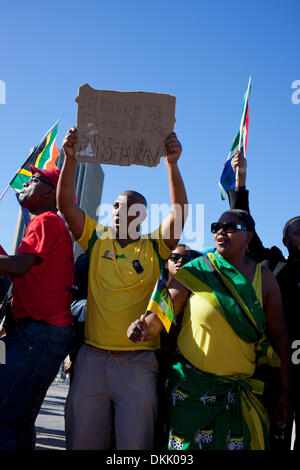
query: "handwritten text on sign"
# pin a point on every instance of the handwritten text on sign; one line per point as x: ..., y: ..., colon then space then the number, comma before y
x: 123, y: 128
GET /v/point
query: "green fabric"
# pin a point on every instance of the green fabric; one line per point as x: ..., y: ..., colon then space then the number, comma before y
x: 38, y: 158
x: 238, y: 302
x: 92, y: 242
x: 161, y: 261
x: 205, y: 411
x: 161, y: 304
x: 19, y: 180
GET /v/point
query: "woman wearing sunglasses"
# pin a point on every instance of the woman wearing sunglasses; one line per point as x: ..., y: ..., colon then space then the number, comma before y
x: 168, y: 341
x: 229, y: 303
x: 180, y: 256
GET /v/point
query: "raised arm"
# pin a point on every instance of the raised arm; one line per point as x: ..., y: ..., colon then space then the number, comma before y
x: 239, y: 199
x: 149, y: 325
x: 72, y: 214
x: 173, y: 225
x: 278, y: 335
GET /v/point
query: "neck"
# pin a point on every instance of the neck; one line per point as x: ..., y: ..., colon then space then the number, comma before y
x: 294, y: 255
x: 125, y: 240
x: 239, y: 261
x: 34, y: 212
x: 244, y: 265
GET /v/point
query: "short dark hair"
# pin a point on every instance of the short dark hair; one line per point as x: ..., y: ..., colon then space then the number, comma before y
x: 245, y: 218
x: 136, y: 195
x: 288, y: 223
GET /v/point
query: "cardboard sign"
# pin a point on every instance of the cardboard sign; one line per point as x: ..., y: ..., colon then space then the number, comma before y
x: 123, y: 128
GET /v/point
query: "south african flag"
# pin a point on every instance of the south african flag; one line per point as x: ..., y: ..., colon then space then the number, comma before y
x: 161, y: 304
x: 227, y: 180
x: 43, y: 156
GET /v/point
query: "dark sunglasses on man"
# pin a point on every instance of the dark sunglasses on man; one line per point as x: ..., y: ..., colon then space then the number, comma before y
x: 228, y: 227
x: 175, y: 257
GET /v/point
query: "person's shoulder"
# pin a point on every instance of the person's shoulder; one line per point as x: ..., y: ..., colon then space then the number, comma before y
x: 47, y: 215
x: 268, y: 279
x: 288, y: 274
x: 270, y: 287
x: 51, y: 223
x: 52, y: 219
x: 275, y: 256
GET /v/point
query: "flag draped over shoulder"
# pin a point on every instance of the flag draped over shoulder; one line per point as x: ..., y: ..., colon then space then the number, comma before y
x: 227, y: 180
x: 161, y: 304
x: 43, y: 156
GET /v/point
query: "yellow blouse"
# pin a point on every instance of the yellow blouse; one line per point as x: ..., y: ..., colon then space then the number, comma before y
x: 208, y: 341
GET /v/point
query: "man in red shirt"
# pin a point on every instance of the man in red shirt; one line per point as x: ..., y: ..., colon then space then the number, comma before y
x: 42, y: 333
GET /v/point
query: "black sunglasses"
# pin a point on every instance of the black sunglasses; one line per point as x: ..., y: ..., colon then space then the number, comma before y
x: 174, y: 257
x: 228, y: 227
x: 40, y: 178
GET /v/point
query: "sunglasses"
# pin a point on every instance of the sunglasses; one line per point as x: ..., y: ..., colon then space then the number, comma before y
x: 228, y: 227
x: 174, y: 257
x: 35, y: 179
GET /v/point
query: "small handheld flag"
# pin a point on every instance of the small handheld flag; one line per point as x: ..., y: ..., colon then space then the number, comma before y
x: 227, y: 180
x: 161, y: 304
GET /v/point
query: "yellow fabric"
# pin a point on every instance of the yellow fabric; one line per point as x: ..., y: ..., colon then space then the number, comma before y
x: 253, y: 412
x: 117, y: 294
x: 257, y: 284
x: 208, y: 341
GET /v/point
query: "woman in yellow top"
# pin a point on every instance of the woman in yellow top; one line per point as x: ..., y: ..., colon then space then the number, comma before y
x: 229, y: 304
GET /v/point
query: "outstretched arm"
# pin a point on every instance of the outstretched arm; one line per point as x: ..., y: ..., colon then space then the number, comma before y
x: 17, y: 265
x: 173, y: 225
x: 149, y: 325
x: 73, y: 215
x: 278, y: 335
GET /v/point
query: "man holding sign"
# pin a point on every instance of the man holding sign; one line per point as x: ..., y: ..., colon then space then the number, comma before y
x: 111, y: 373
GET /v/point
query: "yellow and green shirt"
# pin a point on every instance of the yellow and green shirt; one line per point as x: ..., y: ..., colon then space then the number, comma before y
x: 121, y: 281
x: 208, y: 341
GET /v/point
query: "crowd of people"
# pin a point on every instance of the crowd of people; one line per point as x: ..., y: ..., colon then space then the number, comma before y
x: 219, y: 377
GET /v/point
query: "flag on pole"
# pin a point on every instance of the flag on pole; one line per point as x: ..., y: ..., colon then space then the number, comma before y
x: 227, y: 180
x: 161, y: 304
x: 43, y: 156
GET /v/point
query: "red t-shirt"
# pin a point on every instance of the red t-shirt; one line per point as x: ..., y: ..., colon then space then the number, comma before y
x: 2, y: 251
x: 45, y: 292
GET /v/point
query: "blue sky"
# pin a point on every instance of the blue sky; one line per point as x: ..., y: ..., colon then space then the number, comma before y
x: 201, y: 52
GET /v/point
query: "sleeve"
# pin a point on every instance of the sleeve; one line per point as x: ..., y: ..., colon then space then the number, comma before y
x: 91, y: 229
x: 240, y: 200
x: 2, y: 251
x: 40, y: 237
x: 160, y: 247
